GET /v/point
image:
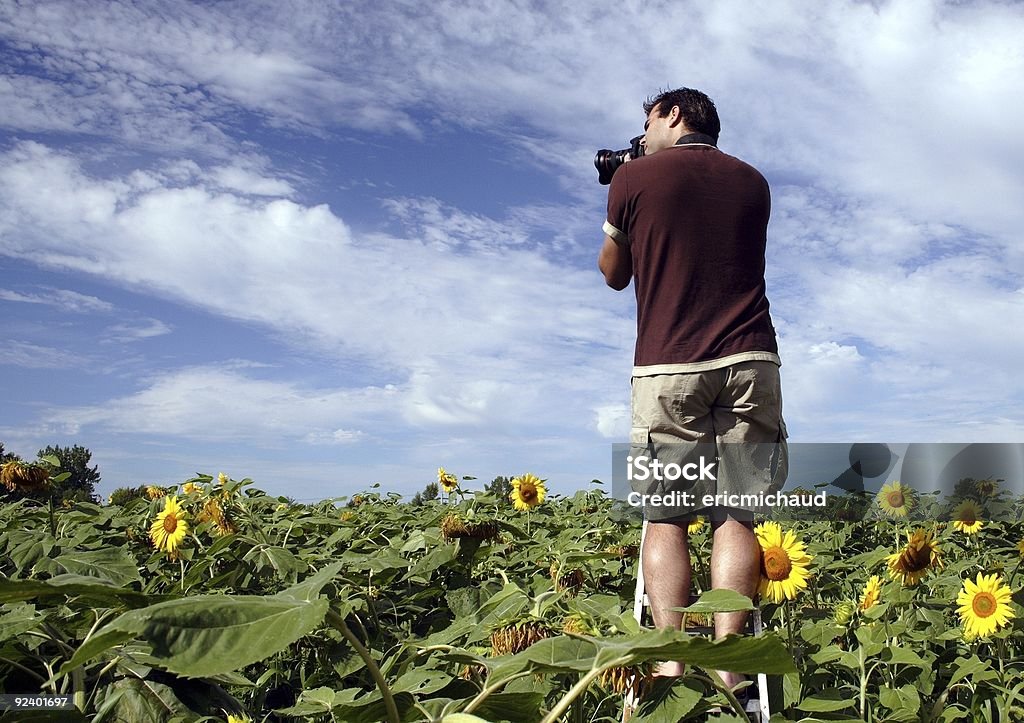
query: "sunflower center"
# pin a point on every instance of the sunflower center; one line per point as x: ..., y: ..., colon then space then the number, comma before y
x: 170, y: 523
x: 896, y: 498
x: 527, y: 493
x: 915, y: 559
x: 776, y: 564
x: 984, y: 604
x: 967, y: 518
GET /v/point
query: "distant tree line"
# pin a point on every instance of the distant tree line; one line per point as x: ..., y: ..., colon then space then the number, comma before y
x: 78, y: 486
x: 499, y: 487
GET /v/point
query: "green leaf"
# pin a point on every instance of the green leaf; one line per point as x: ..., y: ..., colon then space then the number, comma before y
x: 283, y: 562
x: 561, y: 654
x: 27, y: 547
x: 19, y: 620
x: 421, y: 681
x: 669, y: 701
x: 519, y: 706
x: 904, y: 702
x: 974, y: 668
x: 463, y: 601
x: 309, y: 589
x: 345, y: 706
x: 719, y: 601
x: 113, y: 565
x: 903, y: 656
x: 212, y: 634
x: 91, y: 589
x: 433, y: 560
x: 94, y: 646
x: 146, y: 700
x: 828, y: 701
x: 741, y: 654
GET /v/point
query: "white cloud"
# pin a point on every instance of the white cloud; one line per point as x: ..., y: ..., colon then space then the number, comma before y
x: 59, y: 298
x: 221, y: 403
x: 33, y: 356
x: 477, y: 333
x: 250, y: 182
x: 136, y: 331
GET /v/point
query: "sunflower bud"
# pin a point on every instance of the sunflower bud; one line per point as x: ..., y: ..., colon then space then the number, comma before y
x: 842, y: 612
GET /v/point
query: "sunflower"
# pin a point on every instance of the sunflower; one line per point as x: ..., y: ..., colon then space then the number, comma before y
x: 1020, y: 548
x: 872, y: 594
x: 213, y: 512
x: 967, y: 517
x: 447, y: 480
x: 527, y: 492
x: 984, y: 606
x: 154, y: 493
x: 222, y: 479
x: 784, y: 562
x: 23, y: 477
x: 169, y: 528
x: 515, y: 637
x: 895, y: 499
x: 634, y: 679
x: 191, y: 488
x: 987, y: 487
x: 239, y: 718
x: 695, y: 526
x: 452, y: 527
x: 912, y: 563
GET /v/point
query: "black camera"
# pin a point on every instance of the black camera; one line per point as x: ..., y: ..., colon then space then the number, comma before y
x: 607, y: 162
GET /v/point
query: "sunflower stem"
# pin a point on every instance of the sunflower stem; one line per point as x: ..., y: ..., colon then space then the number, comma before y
x: 563, y: 705
x: 338, y: 623
x: 482, y: 695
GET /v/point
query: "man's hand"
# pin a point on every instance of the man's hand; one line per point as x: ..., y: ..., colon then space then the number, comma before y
x: 616, y: 263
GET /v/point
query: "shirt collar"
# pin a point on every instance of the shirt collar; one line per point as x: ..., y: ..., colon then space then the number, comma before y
x: 696, y: 138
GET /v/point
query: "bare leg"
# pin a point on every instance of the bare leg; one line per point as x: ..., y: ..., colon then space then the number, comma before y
x: 666, y: 562
x: 735, y: 565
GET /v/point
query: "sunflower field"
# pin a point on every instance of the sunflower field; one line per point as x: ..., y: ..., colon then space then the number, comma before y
x: 213, y: 601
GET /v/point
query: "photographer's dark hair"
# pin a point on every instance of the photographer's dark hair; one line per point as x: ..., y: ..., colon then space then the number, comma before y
x: 698, y: 110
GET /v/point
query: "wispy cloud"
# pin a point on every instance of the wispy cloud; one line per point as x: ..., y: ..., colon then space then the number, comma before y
x: 62, y: 299
x: 145, y: 329
x: 33, y: 356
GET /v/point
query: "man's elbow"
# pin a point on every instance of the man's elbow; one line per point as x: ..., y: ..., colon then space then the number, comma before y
x: 614, y: 277
x: 617, y: 281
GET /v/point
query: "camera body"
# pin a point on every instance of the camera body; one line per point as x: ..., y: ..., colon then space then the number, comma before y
x: 607, y: 161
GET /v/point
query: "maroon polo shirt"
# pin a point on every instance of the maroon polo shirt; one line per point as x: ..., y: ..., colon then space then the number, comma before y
x: 696, y: 222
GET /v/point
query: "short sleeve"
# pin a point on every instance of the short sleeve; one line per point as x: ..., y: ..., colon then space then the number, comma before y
x: 617, y: 224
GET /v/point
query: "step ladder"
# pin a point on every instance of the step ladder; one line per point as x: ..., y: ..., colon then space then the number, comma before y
x: 757, y: 707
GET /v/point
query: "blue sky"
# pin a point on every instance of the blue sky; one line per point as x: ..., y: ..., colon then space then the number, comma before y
x: 330, y: 245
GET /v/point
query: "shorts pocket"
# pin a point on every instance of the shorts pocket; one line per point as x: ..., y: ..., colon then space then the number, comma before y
x: 639, y: 436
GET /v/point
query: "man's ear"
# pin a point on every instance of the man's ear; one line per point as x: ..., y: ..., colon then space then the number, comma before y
x: 675, y: 116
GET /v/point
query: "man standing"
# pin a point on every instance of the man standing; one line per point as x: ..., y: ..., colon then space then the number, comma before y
x: 687, y: 224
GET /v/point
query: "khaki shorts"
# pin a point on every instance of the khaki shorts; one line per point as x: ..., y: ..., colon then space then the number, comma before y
x: 732, y: 416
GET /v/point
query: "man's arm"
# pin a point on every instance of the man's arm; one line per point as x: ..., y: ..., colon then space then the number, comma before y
x: 616, y: 263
